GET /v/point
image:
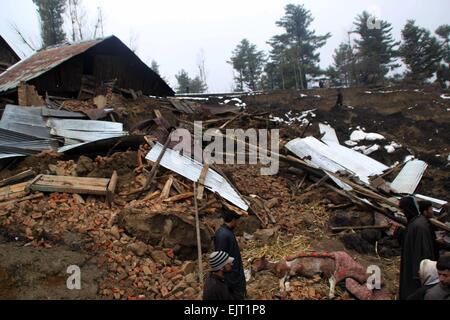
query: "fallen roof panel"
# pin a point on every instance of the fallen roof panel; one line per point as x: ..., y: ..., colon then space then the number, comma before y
x: 47, y: 112
x: 86, y: 135
x: 192, y: 169
x: 85, y: 125
x: 409, y: 177
x: 334, y: 157
x: 329, y: 133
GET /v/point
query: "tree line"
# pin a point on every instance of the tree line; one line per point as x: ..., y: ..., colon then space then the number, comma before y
x: 294, y: 57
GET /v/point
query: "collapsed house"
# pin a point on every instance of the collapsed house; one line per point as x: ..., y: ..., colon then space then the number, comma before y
x: 77, y: 70
x: 8, y: 56
x: 136, y: 208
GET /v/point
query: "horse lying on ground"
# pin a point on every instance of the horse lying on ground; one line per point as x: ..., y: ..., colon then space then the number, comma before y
x: 335, y: 266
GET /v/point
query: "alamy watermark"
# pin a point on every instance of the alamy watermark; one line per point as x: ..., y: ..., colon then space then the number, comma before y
x: 374, y: 280
x: 235, y: 146
x: 74, y: 280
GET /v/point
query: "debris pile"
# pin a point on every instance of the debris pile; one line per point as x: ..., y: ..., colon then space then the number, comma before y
x: 91, y: 174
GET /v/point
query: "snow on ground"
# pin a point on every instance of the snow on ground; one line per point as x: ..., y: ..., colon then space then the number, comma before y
x: 367, y: 150
x: 408, y: 158
x: 390, y: 148
x: 444, y: 96
x: 295, y: 118
x: 360, y: 135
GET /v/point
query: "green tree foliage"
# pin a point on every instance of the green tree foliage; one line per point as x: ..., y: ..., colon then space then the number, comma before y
x: 248, y: 62
x: 443, y: 73
x: 375, y: 48
x: 188, y: 85
x: 52, y: 20
x: 420, y: 51
x: 295, y: 52
x: 343, y: 71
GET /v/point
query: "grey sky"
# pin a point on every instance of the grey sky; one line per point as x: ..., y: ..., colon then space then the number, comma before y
x: 173, y: 32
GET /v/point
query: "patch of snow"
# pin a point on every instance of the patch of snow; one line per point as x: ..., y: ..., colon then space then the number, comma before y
x: 444, y: 96
x: 227, y: 101
x: 303, y: 95
x: 350, y: 107
x: 360, y: 135
x: 317, y: 96
x: 372, y: 149
x: 237, y: 100
x: 392, y: 147
x: 408, y: 158
x: 351, y: 143
x: 368, y: 92
x: 448, y: 158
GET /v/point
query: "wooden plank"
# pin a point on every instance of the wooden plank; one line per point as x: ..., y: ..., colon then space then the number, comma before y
x: 13, y: 195
x: 100, y: 182
x: 199, y: 242
x: 152, y: 195
x: 71, y: 185
x: 179, y: 197
x: 111, y: 188
x: 21, y: 199
x: 18, y: 177
x: 339, y: 229
x: 201, y: 182
x: 14, y: 188
x: 166, y: 190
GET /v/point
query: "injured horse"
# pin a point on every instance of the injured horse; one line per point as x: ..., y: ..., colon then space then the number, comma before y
x: 335, y: 266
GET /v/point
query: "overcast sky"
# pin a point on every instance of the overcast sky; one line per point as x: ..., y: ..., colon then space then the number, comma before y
x: 174, y: 32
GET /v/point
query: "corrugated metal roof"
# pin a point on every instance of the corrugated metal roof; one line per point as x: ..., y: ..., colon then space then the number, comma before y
x: 334, y: 157
x: 192, y: 169
x: 409, y: 177
x: 41, y: 62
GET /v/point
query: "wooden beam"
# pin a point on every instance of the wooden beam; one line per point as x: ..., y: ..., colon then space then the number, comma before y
x: 340, y: 229
x: 96, y: 186
x: 199, y: 242
x: 111, y: 188
x: 28, y: 174
x: 166, y: 190
x: 201, y: 182
x: 179, y: 197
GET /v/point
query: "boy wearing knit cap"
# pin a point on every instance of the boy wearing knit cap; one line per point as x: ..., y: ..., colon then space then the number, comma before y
x: 215, y: 287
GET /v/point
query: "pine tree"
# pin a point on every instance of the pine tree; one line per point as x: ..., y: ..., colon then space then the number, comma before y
x: 297, y: 47
x: 443, y: 73
x: 197, y: 85
x: 51, y: 19
x: 376, y: 48
x: 188, y: 85
x: 420, y: 51
x: 184, y: 82
x: 344, y: 65
x: 248, y: 62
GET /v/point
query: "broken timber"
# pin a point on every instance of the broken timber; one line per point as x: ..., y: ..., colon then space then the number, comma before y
x: 28, y: 174
x: 46, y: 183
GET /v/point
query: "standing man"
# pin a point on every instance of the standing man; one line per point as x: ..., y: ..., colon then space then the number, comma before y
x: 215, y: 287
x: 225, y: 240
x: 418, y: 245
x: 340, y: 99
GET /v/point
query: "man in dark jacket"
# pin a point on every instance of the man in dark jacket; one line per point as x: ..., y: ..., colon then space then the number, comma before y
x: 418, y: 245
x: 215, y: 287
x: 441, y: 291
x: 225, y: 240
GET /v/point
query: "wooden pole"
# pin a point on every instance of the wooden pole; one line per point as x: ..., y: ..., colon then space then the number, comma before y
x: 199, y: 243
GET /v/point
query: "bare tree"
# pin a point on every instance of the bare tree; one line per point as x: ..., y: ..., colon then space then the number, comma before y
x: 201, y: 62
x: 24, y: 39
x: 77, y: 15
x: 133, y: 41
x: 99, y: 24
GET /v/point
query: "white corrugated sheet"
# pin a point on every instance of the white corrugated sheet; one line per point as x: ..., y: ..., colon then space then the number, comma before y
x: 409, y: 177
x: 192, y: 169
x: 334, y: 157
x: 84, y: 125
x: 329, y: 133
x: 86, y: 135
